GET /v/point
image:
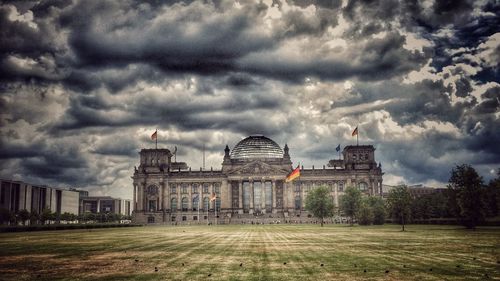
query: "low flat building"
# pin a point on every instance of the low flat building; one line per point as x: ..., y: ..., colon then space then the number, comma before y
x: 104, y: 204
x: 18, y: 195
x: 419, y: 190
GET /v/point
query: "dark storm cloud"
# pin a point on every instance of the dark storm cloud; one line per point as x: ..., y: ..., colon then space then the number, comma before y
x: 162, y: 37
x: 82, y: 80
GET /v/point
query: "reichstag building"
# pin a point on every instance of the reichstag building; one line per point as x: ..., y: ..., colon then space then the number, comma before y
x: 249, y: 188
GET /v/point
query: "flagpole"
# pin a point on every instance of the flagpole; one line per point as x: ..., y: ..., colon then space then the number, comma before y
x: 357, y: 136
x: 199, y: 208
x: 215, y: 206
x: 156, y: 139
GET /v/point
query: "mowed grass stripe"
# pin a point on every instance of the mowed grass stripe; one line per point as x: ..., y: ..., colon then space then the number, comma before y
x: 218, y: 251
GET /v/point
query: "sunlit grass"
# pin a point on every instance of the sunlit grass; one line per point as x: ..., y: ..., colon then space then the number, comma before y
x: 253, y: 252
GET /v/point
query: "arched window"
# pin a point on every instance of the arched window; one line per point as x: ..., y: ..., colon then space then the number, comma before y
x: 363, y: 186
x: 173, y: 204
x: 184, y: 204
x: 196, y: 202
x: 206, y: 204
x: 331, y: 187
x: 298, y: 204
x: 152, y: 190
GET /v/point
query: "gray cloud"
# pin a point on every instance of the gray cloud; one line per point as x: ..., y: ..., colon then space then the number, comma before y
x: 83, y: 84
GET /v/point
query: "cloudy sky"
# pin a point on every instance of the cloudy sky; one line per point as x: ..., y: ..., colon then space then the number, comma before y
x: 84, y: 84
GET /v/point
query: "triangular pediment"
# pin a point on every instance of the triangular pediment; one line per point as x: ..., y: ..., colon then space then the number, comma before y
x: 257, y: 168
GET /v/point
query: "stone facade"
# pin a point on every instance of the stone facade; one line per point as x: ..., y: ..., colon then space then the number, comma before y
x: 250, y: 187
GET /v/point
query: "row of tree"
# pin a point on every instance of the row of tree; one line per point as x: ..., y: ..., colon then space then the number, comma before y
x: 467, y: 198
x: 47, y: 216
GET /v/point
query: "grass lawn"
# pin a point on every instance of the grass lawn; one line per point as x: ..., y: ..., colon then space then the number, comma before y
x: 253, y: 252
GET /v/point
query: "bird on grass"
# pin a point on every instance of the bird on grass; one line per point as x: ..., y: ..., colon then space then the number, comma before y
x: 241, y: 264
x: 458, y: 266
x: 430, y: 269
x: 355, y: 265
x: 321, y: 264
x: 182, y: 264
x: 156, y: 269
x: 364, y: 271
x: 387, y: 271
x: 136, y: 260
x: 210, y: 274
x: 284, y: 263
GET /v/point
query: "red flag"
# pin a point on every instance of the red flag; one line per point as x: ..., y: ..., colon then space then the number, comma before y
x: 355, y: 132
x: 154, y: 136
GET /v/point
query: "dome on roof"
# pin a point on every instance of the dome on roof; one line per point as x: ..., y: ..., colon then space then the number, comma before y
x: 256, y: 147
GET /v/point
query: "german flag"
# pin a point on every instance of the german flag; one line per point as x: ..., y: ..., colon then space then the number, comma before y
x: 355, y: 132
x: 293, y: 175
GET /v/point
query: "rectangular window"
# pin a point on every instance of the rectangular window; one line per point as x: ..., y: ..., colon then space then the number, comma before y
x: 173, y: 189
x: 152, y: 205
x: 205, y: 188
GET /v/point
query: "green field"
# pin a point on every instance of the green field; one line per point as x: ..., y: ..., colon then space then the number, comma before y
x: 253, y: 252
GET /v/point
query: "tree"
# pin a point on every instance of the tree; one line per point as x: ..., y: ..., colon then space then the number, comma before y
x: 350, y: 202
x: 378, y: 207
x: 34, y: 217
x: 23, y: 215
x: 399, y: 202
x: 319, y: 203
x: 6, y: 216
x: 467, y: 186
x: 493, y: 196
x: 365, y: 212
x: 45, y: 216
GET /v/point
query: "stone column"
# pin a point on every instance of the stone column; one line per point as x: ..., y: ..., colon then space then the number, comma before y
x: 226, y: 192
x: 139, y: 198
x: 165, y: 198
x: 160, y: 195
x: 179, y: 197
x: 251, y: 196
x: 240, y: 195
x: 134, y: 198
x: 190, y: 201
x: 273, y: 186
x: 263, y: 196
x: 336, y: 195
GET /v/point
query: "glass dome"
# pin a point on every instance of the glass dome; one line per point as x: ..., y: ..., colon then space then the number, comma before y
x: 256, y: 147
